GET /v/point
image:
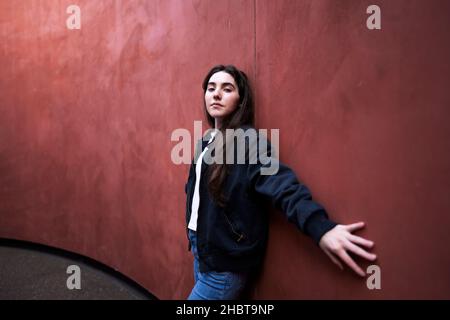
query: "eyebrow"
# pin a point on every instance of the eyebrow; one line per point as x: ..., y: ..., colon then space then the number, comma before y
x: 223, y: 84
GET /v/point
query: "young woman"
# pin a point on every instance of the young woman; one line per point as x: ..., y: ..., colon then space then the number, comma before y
x: 226, y: 209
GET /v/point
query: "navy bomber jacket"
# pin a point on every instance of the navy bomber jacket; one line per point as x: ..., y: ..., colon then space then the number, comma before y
x: 234, y: 238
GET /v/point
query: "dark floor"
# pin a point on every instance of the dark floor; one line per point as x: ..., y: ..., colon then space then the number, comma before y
x: 29, y: 271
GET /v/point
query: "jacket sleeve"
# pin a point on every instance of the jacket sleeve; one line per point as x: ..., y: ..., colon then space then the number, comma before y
x: 287, y: 194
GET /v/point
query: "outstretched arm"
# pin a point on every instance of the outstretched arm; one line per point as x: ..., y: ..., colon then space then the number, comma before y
x: 295, y: 200
x: 337, y: 242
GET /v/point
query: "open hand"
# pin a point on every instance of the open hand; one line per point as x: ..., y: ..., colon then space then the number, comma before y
x: 336, y: 242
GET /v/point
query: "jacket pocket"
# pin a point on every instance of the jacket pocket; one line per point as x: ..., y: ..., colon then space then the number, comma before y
x: 238, y: 235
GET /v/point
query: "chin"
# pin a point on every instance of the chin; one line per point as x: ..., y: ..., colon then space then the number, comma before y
x: 215, y: 114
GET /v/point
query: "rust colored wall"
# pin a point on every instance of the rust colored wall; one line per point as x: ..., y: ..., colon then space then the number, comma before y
x: 87, y: 115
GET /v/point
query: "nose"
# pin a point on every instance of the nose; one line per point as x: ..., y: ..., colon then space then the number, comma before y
x: 216, y: 95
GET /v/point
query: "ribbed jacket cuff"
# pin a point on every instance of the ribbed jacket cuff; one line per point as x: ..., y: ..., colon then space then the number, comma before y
x: 317, y: 225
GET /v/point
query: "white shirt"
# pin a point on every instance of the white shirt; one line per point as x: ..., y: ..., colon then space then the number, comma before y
x: 196, y: 200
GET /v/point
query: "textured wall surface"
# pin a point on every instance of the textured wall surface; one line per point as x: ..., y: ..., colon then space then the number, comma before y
x: 86, y: 118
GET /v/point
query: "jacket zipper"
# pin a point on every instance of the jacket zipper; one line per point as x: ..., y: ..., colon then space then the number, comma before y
x: 233, y: 229
x: 189, y: 214
x: 193, y: 167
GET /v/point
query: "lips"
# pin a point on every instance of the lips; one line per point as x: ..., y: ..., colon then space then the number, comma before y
x: 217, y: 105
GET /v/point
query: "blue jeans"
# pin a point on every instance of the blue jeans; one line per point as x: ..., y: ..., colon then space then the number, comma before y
x: 214, y: 285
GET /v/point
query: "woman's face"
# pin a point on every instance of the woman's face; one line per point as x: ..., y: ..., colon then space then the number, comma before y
x: 222, y: 95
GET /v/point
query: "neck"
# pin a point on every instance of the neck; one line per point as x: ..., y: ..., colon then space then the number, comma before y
x: 217, y: 123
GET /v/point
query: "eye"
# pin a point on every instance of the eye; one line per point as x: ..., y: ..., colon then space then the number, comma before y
x: 228, y: 90
x: 210, y: 89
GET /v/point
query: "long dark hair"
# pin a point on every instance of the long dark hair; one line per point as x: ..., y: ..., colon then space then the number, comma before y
x: 242, y: 115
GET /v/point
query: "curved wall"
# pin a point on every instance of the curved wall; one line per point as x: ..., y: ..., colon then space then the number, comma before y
x: 87, y: 115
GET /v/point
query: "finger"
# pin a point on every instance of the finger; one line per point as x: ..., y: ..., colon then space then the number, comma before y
x: 349, y: 262
x: 355, y: 226
x: 333, y: 258
x: 361, y: 241
x: 359, y: 251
